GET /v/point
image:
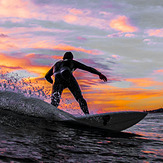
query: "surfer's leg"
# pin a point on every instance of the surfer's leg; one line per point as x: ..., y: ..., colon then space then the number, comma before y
x: 83, y: 105
x: 56, y: 94
x: 75, y: 90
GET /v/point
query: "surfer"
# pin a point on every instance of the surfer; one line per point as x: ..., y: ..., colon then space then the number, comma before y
x: 62, y: 70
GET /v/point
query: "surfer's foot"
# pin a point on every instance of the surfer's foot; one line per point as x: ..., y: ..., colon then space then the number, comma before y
x: 86, y: 113
x: 106, y: 120
x: 83, y: 105
x: 85, y: 110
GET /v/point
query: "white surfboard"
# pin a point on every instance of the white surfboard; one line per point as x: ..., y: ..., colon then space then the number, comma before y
x: 115, y: 121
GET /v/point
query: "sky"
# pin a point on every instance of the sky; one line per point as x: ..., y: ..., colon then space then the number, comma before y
x: 122, y: 39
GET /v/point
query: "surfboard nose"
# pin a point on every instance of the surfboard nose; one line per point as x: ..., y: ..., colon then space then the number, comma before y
x: 141, y: 114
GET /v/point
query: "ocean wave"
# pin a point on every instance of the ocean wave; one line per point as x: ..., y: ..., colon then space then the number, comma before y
x: 31, y: 106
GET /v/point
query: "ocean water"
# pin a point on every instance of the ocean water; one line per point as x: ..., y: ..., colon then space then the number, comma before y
x: 28, y: 136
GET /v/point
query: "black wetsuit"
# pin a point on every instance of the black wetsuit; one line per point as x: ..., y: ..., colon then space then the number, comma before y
x: 64, y: 79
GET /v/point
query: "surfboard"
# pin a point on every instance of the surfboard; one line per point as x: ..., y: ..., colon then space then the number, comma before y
x: 114, y: 121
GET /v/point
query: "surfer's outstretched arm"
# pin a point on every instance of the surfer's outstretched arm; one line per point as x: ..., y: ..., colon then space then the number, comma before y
x: 91, y: 70
x: 48, y: 76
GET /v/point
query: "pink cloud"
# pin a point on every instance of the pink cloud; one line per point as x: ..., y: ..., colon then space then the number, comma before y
x: 129, y: 35
x: 6, y: 44
x: 121, y: 23
x: 116, y: 56
x: 76, y: 11
x: 81, y: 38
x: 155, y: 32
x: 158, y: 71
x: 114, y: 35
x: 14, y: 42
x: 64, y: 47
x: 16, y: 8
x: 44, y: 44
x: 86, y: 20
x: 120, y: 34
x: 3, y: 35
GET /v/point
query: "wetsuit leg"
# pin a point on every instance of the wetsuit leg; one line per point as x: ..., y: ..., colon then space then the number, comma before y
x: 56, y: 94
x: 75, y: 90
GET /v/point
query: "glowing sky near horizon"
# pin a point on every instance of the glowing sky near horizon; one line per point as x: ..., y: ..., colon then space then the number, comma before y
x: 123, y: 39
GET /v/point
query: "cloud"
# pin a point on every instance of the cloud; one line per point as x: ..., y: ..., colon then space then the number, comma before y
x: 11, y: 63
x: 129, y: 35
x: 121, y: 34
x: 16, y: 8
x: 123, y: 98
x: 64, y: 47
x: 105, y: 98
x: 121, y: 23
x: 115, y: 56
x: 81, y: 38
x: 114, y: 35
x: 70, y: 18
x: 13, y: 43
x: 160, y: 71
x: 6, y: 44
x: 3, y: 35
x: 76, y: 11
x: 144, y: 82
x: 10, y: 67
x: 155, y: 32
x: 18, y: 42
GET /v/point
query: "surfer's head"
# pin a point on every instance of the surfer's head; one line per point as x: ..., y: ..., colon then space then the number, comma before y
x: 68, y: 55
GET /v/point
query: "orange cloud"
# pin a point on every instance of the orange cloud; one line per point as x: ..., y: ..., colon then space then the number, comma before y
x: 144, y: 82
x: 11, y: 63
x: 116, y: 56
x: 70, y: 18
x: 121, y: 23
x: 155, y: 32
x: 57, y: 57
x: 114, y: 98
x: 65, y: 47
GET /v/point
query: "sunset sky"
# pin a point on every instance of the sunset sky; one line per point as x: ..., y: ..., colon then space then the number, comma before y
x: 123, y: 39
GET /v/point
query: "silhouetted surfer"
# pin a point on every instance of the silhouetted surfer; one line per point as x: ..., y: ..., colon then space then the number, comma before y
x: 64, y: 79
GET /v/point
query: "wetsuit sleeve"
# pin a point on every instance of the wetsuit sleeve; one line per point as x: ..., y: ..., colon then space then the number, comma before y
x: 48, y: 75
x: 86, y: 68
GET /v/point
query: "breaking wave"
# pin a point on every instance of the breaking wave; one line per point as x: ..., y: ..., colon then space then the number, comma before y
x: 31, y: 106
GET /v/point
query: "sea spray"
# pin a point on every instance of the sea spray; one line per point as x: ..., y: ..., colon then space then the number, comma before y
x: 32, y: 88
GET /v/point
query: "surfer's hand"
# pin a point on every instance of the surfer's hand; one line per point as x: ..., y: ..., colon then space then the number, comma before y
x: 103, y: 77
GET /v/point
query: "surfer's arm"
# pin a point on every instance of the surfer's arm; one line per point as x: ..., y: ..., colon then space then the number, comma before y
x: 48, y: 76
x: 90, y: 69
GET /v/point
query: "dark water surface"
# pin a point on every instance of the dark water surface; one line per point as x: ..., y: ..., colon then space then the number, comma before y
x: 29, y: 139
